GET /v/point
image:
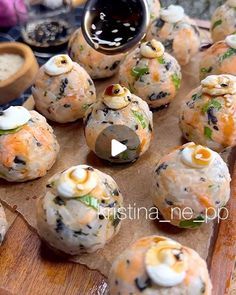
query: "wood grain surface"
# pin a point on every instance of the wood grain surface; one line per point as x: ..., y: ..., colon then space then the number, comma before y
x: 222, y: 265
x: 27, y: 267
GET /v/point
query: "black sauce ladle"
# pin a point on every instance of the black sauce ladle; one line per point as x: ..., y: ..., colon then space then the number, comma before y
x: 114, y: 26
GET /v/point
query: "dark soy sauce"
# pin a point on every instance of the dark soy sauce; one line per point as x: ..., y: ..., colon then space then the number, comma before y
x: 114, y: 26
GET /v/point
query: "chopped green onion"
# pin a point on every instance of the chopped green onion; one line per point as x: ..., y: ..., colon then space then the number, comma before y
x: 161, y: 60
x: 227, y: 54
x: 10, y: 131
x: 138, y: 72
x: 176, y: 80
x: 193, y: 223
x: 216, y: 24
x: 206, y: 70
x: 208, y: 132
x: 140, y: 119
x: 90, y: 201
x: 211, y: 104
x: 196, y: 96
x: 86, y: 106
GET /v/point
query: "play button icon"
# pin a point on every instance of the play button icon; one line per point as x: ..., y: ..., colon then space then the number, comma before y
x: 118, y: 144
x: 117, y: 148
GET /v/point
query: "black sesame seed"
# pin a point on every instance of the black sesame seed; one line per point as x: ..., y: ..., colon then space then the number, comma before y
x: 141, y: 284
x: 59, y: 201
x: 90, y: 82
x: 19, y: 161
x: 163, y: 166
x: 115, y: 65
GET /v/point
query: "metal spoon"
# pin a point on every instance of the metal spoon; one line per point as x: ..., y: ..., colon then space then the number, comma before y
x: 114, y: 26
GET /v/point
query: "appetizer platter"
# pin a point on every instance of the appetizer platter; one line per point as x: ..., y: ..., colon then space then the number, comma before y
x: 156, y: 217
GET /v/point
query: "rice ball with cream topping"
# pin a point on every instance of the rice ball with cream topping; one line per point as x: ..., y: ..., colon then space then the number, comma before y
x: 97, y: 64
x: 177, y: 32
x: 190, y: 185
x: 119, y: 115
x: 220, y: 58
x: 223, y: 21
x: 152, y: 74
x: 63, y: 90
x: 80, y: 211
x: 158, y: 265
x: 209, y: 115
x: 28, y: 147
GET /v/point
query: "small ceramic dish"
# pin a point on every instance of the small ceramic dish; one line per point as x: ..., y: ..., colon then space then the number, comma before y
x: 17, y: 83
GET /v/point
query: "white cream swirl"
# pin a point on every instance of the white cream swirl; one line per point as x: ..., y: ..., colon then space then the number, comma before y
x: 219, y: 85
x: 14, y: 117
x: 231, y: 41
x: 231, y: 3
x: 197, y: 156
x: 116, y: 97
x: 166, y: 263
x: 76, y: 181
x: 173, y: 14
x: 152, y: 49
x: 58, y: 65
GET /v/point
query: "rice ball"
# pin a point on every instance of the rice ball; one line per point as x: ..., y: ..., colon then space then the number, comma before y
x: 209, y: 115
x: 191, y: 184
x: 63, y: 90
x: 122, y: 116
x: 80, y: 211
x: 28, y: 147
x: 223, y: 21
x: 177, y: 32
x: 220, y: 58
x: 158, y: 265
x: 152, y: 74
x: 97, y: 64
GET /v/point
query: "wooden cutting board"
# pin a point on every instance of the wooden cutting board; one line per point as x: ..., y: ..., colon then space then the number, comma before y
x: 27, y: 267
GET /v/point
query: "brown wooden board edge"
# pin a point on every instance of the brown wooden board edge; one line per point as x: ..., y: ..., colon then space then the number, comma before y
x: 222, y: 259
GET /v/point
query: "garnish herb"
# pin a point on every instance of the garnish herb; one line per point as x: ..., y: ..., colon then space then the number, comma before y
x: 227, y: 54
x: 138, y: 72
x: 208, y: 132
x: 10, y: 131
x: 140, y: 119
x: 161, y: 60
x: 124, y: 156
x: 86, y: 106
x: 216, y: 24
x: 211, y: 104
x: 176, y: 80
x: 90, y: 201
x: 194, y: 223
x: 196, y: 96
x: 206, y: 70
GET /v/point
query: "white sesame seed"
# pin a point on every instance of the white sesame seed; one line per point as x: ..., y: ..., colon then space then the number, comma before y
x: 102, y: 16
x: 118, y: 39
x: 132, y: 29
x: 98, y: 33
x: 126, y: 24
x: 93, y: 27
x: 115, y: 31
